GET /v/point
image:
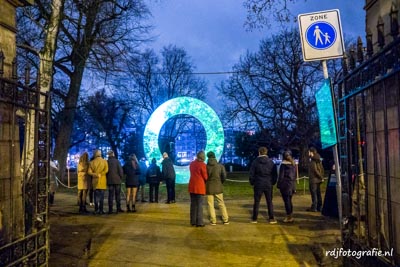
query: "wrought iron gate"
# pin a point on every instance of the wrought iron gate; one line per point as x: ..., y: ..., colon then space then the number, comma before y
x: 24, y: 225
x: 369, y: 136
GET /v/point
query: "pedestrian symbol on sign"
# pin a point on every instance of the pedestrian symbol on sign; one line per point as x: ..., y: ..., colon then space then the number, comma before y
x: 321, y: 35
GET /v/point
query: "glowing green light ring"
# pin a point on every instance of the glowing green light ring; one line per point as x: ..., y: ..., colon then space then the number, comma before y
x: 178, y: 106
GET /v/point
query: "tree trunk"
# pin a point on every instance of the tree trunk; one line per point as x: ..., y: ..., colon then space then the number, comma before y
x: 46, y: 56
x: 63, y: 139
x: 304, y: 158
x: 11, y: 202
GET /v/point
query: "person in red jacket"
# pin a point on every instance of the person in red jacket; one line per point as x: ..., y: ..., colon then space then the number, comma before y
x: 197, y: 189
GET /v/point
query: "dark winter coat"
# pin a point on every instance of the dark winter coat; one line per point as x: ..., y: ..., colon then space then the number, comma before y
x: 115, y: 172
x: 143, y: 171
x: 168, y: 171
x: 132, y: 174
x: 312, y: 169
x: 216, y: 177
x: 263, y: 173
x: 287, y: 177
x: 153, y: 174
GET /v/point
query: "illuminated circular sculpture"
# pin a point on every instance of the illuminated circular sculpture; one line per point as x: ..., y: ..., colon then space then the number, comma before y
x: 180, y: 106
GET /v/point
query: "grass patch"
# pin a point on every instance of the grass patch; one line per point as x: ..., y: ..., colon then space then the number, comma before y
x: 237, y: 186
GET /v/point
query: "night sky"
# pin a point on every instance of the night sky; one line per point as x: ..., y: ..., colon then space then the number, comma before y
x: 212, y: 31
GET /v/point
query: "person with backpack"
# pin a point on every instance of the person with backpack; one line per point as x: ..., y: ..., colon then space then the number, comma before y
x: 315, y: 172
x: 153, y: 178
x: 287, y: 183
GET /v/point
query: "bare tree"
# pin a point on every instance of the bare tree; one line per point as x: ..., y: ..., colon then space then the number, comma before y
x: 156, y: 79
x: 106, y: 118
x: 45, y: 69
x: 261, y: 13
x: 273, y: 92
x: 150, y: 81
x: 144, y: 84
x: 97, y: 34
x: 176, y: 74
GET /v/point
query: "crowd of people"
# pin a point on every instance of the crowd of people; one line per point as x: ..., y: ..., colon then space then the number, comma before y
x: 97, y: 175
x: 207, y: 176
x: 264, y: 175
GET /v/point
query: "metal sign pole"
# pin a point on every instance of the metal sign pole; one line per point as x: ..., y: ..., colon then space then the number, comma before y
x: 337, y: 163
x: 322, y: 38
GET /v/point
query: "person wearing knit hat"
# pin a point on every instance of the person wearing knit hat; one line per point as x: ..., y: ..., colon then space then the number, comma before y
x: 197, y: 188
x: 211, y: 154
x: 214, y: 189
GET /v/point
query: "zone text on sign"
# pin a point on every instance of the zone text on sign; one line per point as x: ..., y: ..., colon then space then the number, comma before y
x: 318, y: 17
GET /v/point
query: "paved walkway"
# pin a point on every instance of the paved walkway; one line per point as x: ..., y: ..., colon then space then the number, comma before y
x: 160, y: 235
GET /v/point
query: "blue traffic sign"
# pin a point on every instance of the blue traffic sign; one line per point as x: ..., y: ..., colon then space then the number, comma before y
x: 321, y: 35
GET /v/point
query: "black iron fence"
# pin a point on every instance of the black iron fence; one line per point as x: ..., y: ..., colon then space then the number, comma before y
x: 369, y: 143
x: 24, y: 225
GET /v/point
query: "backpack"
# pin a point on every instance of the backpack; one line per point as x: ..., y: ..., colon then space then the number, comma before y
x: 319, y: 169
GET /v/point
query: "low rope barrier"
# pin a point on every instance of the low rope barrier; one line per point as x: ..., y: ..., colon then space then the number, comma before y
x: 66, y: 186
x: 297, y: 180
x: 230, y: 180
x: 237, y: 181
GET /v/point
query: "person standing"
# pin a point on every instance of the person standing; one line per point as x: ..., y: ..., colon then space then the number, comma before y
x: 114, y: 178
x: 286, y: 183
x: 83, y: 180
x: 168, y: 174
x: 132, y: 173
x: 153, y: 178
x: 263, y: 175
x: 214, y: 188
x: 90, y: 187
x: 142, y: 178
x: 315, y: 180
x: 98, y: 169
x: 197, y: 188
